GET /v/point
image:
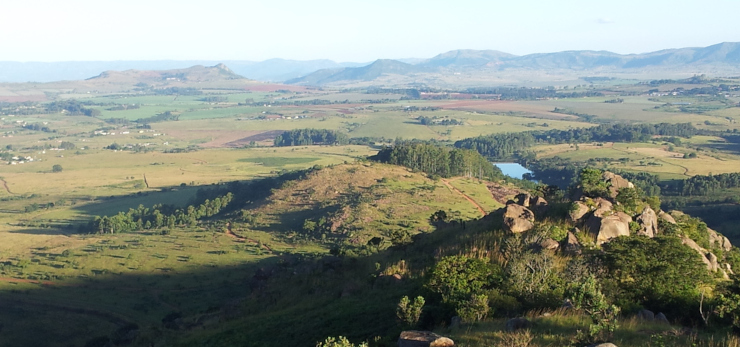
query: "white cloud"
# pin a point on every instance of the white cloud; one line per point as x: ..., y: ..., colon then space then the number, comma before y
x: 604, y: 20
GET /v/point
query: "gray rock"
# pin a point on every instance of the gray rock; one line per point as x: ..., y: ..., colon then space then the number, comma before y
x: 517, y: 323
x: 518, y: 219
x: 646, y: 315
x: 415, y: 338
x: 523, y: 199
x: 609, y: 227
x: 648, y: 222
x: 718, y: 240
x: 615, y: 182
x: 661, y: 318
x: 603, y: 207
x: 578, y: 210
x: 550, y: 244
x: 571, y: 244
x: 605, y: 344
x: 666, y: 217
x: 709, y: 259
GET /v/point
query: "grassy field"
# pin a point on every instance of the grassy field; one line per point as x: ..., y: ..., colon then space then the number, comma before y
x: 649, y: 157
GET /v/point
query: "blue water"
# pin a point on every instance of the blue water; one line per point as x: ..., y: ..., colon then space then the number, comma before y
x: 512, y: 169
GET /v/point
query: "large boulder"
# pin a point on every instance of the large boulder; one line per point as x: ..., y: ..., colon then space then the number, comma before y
x: 616, y: 182
x: 518, y: 219
x: 648, y: 222
x: 578, y: 210
x: 415, y: 338
x: 666, y: 217
x: 603, y: 207
x: 549, y: 244
x: 646, y: 315
x: 661, y: 318
x: 609, y: 227
x: 523, y: 199
x: 530, y: 201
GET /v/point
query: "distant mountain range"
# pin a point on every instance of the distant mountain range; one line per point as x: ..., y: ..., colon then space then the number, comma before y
x: 719, y: 58
x: 723, y: 58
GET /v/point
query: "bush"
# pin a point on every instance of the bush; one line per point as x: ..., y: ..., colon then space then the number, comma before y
x: 340, y: 341
x: 408, y: 313
x: 56, y: 168
x: 456, y: 278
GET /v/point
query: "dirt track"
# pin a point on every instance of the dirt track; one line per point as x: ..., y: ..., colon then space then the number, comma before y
x: 479, y: 207
x: 5, y: 185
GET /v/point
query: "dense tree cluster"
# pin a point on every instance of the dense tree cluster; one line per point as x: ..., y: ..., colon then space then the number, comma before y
x: 437, y: 160
x: 161, y: 117
x: 72, y: 108
x: 158, y: 216
x: 38, y: 127
x: 305, y: 137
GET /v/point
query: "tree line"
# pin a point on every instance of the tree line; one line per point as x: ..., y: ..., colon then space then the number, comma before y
x: 306, y: 137
x: 507, y: 144
x: 436, y: 160
x: 158, y: 216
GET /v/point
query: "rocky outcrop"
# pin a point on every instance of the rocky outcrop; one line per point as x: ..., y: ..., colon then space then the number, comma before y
x: 518, y: 219
x: 415, y: 338
x: 709, y: 259
x: 615, y: 183
x: 609, y: 227
x: 718, y: 240
x: 648, y: 221
x: 530, y: 201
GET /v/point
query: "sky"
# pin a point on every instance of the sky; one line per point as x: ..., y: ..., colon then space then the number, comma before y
x: 350, y: 30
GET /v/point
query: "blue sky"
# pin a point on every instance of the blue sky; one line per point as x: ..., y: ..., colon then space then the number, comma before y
x: 351, y: 30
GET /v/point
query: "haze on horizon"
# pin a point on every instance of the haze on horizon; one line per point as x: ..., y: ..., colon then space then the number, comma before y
x: 341, y: 30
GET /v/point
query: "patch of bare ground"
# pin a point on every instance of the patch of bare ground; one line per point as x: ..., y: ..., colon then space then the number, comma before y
x: 501, y: 193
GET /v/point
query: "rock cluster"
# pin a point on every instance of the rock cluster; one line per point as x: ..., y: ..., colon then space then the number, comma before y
x: 415, y: 338
x: 602, y: 220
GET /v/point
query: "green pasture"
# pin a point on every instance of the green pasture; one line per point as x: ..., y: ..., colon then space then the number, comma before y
x: 478, y: 192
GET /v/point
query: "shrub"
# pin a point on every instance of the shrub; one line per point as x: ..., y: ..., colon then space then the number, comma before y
x: 340, y: 341
x: 408, y: 313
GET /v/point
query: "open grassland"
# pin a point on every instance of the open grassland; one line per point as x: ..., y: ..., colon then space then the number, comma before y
x: 87, y: 179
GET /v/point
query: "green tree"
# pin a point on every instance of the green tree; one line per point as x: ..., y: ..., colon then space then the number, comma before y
x: 56, y: 168
x: 409, y: 312
x: 589, y: 298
